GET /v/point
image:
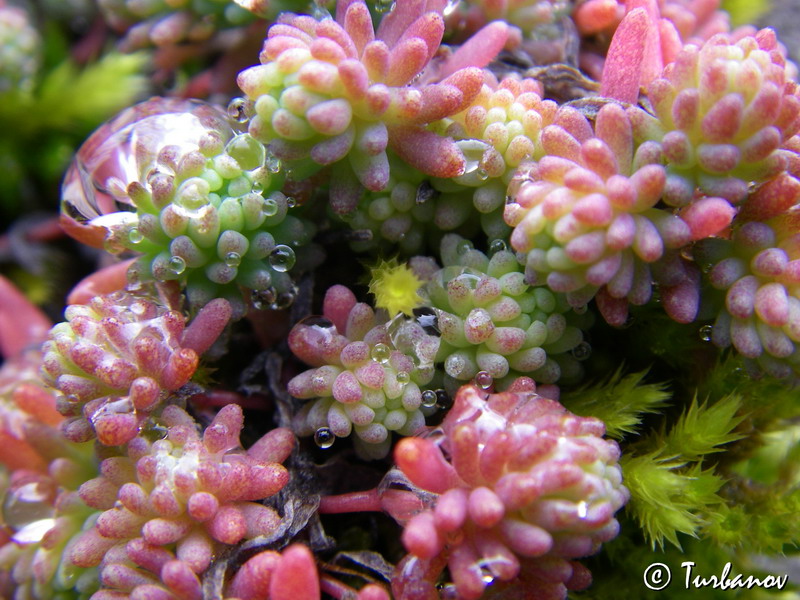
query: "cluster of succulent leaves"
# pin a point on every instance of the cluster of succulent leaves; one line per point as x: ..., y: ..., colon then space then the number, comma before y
x: 627, y: 246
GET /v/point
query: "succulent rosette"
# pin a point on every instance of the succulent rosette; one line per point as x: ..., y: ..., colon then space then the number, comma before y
x: 518, y: 482
x: 20, y: 46
x: 368, y: 380
x: 588, y: 217
x: 118, y: 358
x: 722, y: 112
x: 758, y: 270
x: 168, y: 506
x: 329, y: 90
x: 41, y: 475
x: 168, y: 22
x: 206, y: 210
x: 494, y: 325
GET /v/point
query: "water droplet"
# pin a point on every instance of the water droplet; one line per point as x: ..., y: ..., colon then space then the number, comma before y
x: 269, y: 207
x: 381, y: 353
x: 496, y: 246
x: 324, y: 328
x: 320, y: 13
x: 324, y: 438
x: 705, y: 332
x: 582, y: 351
x: 483, y: 380
x: 291, y: 202
x: 428, y: 319
x: 135, y: 236
x: 27, y: 502
x: 429, y: 398
x: 177, y: 265
x: 443, y: 400
x: 580, y: 310
x: 124, y: 150
x: 482, y: 174
x: 384, y: 6
x: 583, y: 509
x: 262, y: 299
x: 282, y: 258
x: 403, y: 377
x: 464, y: 246
x: 452, y: 5
x: 237, y: 110
x: 233, y: 259
x: 284, y: 300
x: 273, y: 163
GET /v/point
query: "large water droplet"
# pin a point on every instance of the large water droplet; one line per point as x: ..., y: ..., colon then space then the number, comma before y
x: 324, y: 437
x: 282, y: 258
x: 403, y: 377
x: 705, y: 332
x: 125, y: 150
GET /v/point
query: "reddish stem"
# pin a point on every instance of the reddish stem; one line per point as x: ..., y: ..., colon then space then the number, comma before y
x: 367, y: 501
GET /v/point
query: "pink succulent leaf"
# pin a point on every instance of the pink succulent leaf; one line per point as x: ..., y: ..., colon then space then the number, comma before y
x: 625, y: 63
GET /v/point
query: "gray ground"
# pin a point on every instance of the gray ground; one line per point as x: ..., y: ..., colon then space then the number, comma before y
x: 784, y: 17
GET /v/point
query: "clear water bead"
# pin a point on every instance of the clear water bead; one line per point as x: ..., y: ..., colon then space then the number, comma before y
x: 269, y: 207
x: 381, y: 353
x: 233, y: 259
x: 429, y: 398
x: 324, y: 437
x: 237, y: 110
x: 483, y: 380
x: 177, y: 265
x: 282, y: 258
x: 705, y: 332
x: 496, y: 246
x: 135, y: 236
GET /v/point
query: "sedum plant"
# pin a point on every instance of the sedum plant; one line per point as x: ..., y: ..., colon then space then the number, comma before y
x: 454, y: 300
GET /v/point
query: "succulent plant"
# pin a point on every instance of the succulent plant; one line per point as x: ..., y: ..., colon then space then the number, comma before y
x: 168, y: 506
x: 494, y: 326
x: 207, y: 210
x: 513, y: 475
x: 589, y: 219
x: 332, y: 90
x: 20, y: 47
x: 723, y: 111
x: 758, y: 271
x: 171, y: 22
x: 119, y: 357
x: 367, y: 379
